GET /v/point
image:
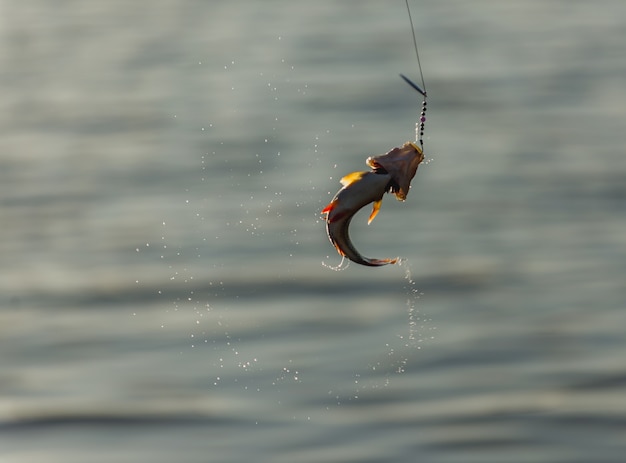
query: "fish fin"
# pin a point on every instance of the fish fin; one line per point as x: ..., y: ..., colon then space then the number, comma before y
x: 329, y: 208
x: 351, y: 178
x: 375, y: 210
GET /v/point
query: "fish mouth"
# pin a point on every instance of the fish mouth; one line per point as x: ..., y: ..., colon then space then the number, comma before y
x: 401, y: 164
x: 393, y: 186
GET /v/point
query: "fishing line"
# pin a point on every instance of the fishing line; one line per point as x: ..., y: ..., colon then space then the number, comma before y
x: 419, y: 126
x: 417, y: 55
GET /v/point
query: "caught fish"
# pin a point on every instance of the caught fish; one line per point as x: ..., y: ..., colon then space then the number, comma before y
x: 393, y: 173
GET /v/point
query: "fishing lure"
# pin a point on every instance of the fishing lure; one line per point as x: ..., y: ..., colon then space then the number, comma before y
x: 392, y: 172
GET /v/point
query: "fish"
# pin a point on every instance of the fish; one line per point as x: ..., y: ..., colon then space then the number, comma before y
x: 392, y: 173
x: 359, y: 190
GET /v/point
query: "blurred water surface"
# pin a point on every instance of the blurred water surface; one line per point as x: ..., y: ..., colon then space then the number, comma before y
x: 163, y: 297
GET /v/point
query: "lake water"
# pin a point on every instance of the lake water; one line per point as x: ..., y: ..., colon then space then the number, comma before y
x: 165, y: 285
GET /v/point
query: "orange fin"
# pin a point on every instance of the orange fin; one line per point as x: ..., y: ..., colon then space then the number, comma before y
x: 375, y: 209
x: 351, y: 178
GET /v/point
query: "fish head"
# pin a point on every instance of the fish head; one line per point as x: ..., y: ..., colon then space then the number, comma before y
x: 401, y: 164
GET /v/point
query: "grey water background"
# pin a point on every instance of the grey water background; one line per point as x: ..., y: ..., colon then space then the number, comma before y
x: 163, y: 294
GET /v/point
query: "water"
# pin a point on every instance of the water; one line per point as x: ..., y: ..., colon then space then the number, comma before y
x: 163, y: 296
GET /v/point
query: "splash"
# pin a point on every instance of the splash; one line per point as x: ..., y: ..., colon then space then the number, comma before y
x: 413, y: 294
x: 338, y: 268
x: 400, y: 354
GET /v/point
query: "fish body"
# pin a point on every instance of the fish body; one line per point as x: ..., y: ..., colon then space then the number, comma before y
x: 359, y: 190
